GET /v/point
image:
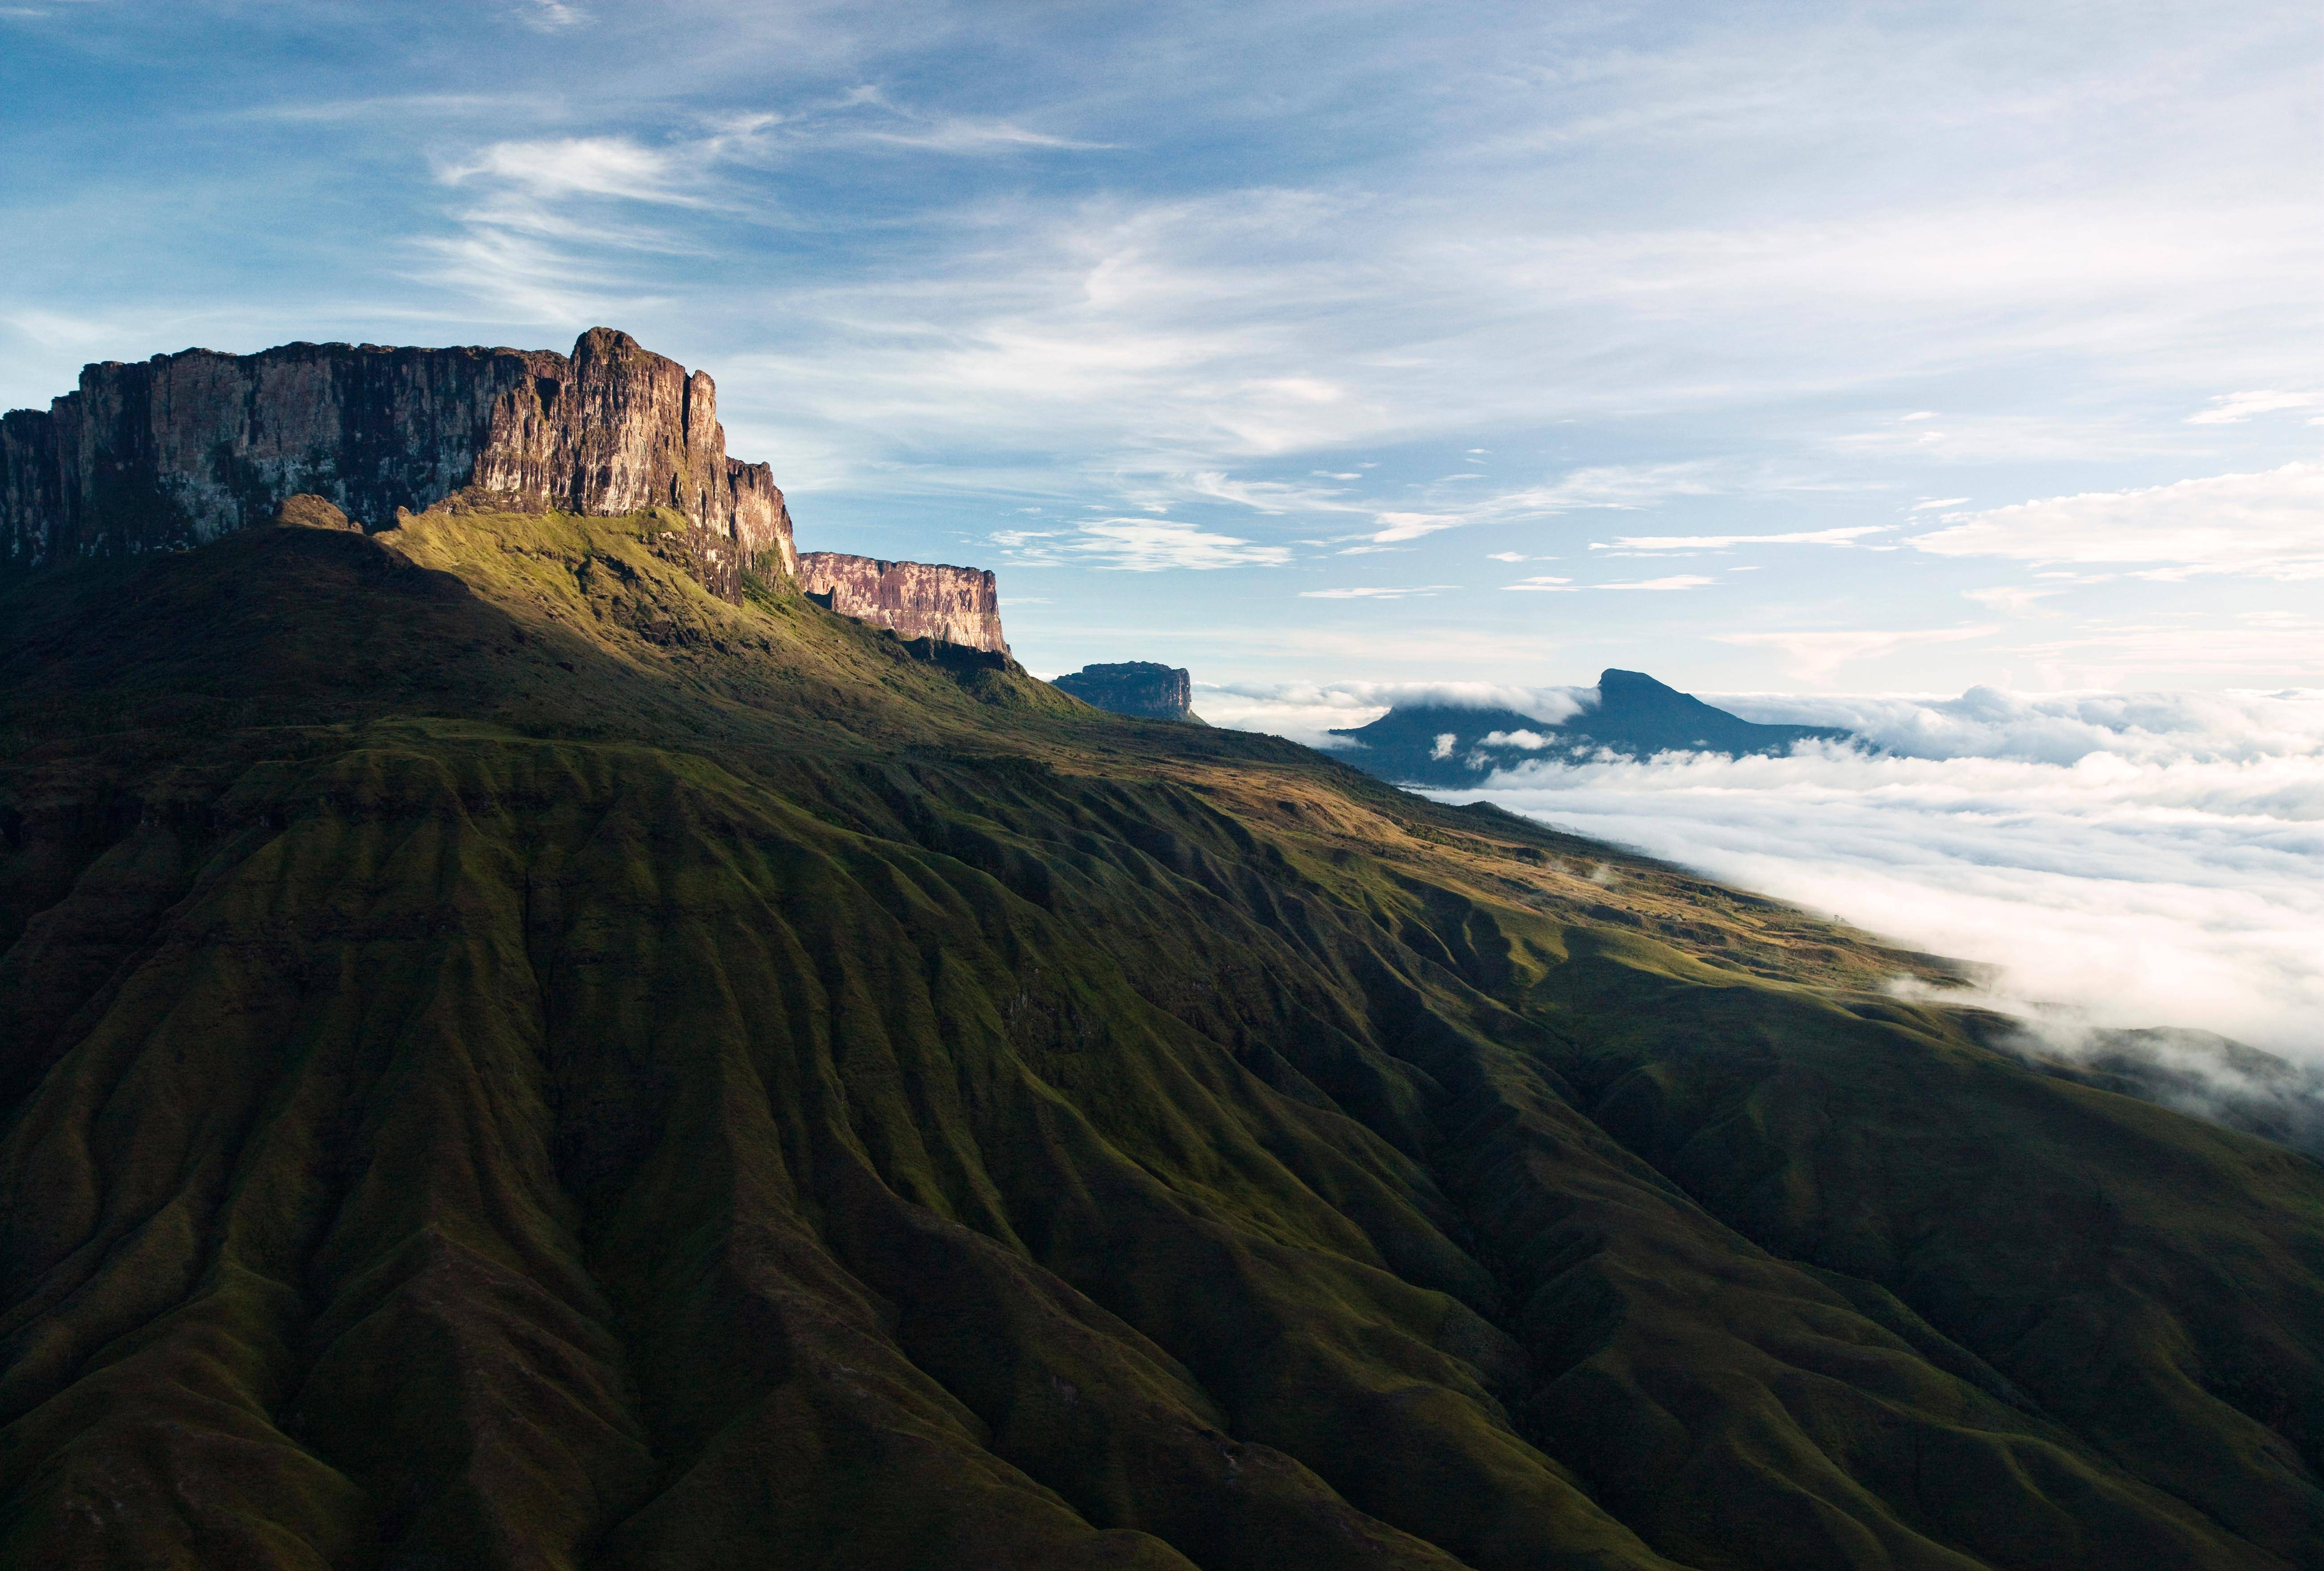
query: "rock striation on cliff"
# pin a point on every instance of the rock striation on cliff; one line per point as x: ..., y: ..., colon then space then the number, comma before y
x: 915, y: 600
x: 178, y: 450
x: 1135, y: 687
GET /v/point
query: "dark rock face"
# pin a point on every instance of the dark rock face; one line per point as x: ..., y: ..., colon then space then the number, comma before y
x: 1136, y: 687
x: 914, y: 600
x: 182, y: 449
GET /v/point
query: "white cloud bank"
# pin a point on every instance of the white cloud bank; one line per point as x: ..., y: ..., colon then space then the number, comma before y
x: 2140, y: 860
x: 1309, y: 712
x: 2135, y: 858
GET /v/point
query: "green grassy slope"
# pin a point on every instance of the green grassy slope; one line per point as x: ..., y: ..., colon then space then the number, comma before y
x: 508, y: 1060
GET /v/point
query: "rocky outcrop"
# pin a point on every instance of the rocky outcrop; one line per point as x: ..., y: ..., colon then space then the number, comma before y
x: 306, y: 511
x: 1137, y: 687
x: 915, y: 600
x: 177, y: 450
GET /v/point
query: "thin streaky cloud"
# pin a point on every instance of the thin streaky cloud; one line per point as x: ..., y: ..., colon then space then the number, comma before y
x: 1372, y: 593
x: 1674, y: 582
x: 2234, y: 408
x: 552, y: 16
x: 324, y: 112
x: 2013, y: 598
x: 1846, y: 536
x: 581, y: 166
x: 2265, y: 525
x: 1817, y: 656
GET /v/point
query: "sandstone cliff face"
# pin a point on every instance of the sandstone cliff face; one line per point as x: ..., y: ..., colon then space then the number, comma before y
x: 917, y: 600
x: 182, y: 449
x: 1138, y: 687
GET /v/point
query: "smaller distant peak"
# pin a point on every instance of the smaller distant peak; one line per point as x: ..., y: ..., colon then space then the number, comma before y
x: 1618, y: 679
x: 1130, y: 669
x: 1145, y: 689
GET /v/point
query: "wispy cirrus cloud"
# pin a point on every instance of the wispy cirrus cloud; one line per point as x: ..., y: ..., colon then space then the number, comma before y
x: 1819, y: 656
x: 565, y: 167
x: 2261, y: 645
x: 1268, y: 496
x: 528, y: 106
x: 541, y: 233
x: 543, y: 205
x: 2011, y: 598
x: 2004, y: 438
x: 1136, y: 544
x: 551, y: 15
x: 1617, y: 486
x: 1401, y: 592
x: 868, y: 116
x: 1676, y: 581
x: 2235, y: 409
x: 1846, y: 536
x: 2265, y: 525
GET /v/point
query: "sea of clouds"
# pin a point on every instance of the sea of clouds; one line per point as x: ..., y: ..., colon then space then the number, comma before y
x: 2120, y: 859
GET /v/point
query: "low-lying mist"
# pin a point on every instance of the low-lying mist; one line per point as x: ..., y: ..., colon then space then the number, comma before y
x: 2119, y: 860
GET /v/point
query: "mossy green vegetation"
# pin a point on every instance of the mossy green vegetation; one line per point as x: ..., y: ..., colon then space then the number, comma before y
x: 509, y: 1059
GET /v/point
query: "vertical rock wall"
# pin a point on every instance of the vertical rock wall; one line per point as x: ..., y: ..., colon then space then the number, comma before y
x: 181, y: 449
x: 1139, y: 687
x: 917, y: 600
x: 30, y: 500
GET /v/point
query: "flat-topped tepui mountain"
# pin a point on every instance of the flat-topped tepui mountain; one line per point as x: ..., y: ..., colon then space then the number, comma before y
x: 1143, y: 688
x: 521, y: 1050
x: 914, y: 600
x: 1628, y: 714
x: 180, y: 449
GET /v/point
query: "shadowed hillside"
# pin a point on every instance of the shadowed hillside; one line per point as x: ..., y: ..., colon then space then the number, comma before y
x: 511, y: 1061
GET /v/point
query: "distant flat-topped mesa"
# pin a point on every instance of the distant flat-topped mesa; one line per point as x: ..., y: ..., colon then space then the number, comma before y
x: 915, y: 600
x: 1136, y: 687
x: 180, y: 449
x: 1628, y: 714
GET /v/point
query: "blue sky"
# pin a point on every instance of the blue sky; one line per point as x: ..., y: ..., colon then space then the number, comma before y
x: 1780, y: 347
